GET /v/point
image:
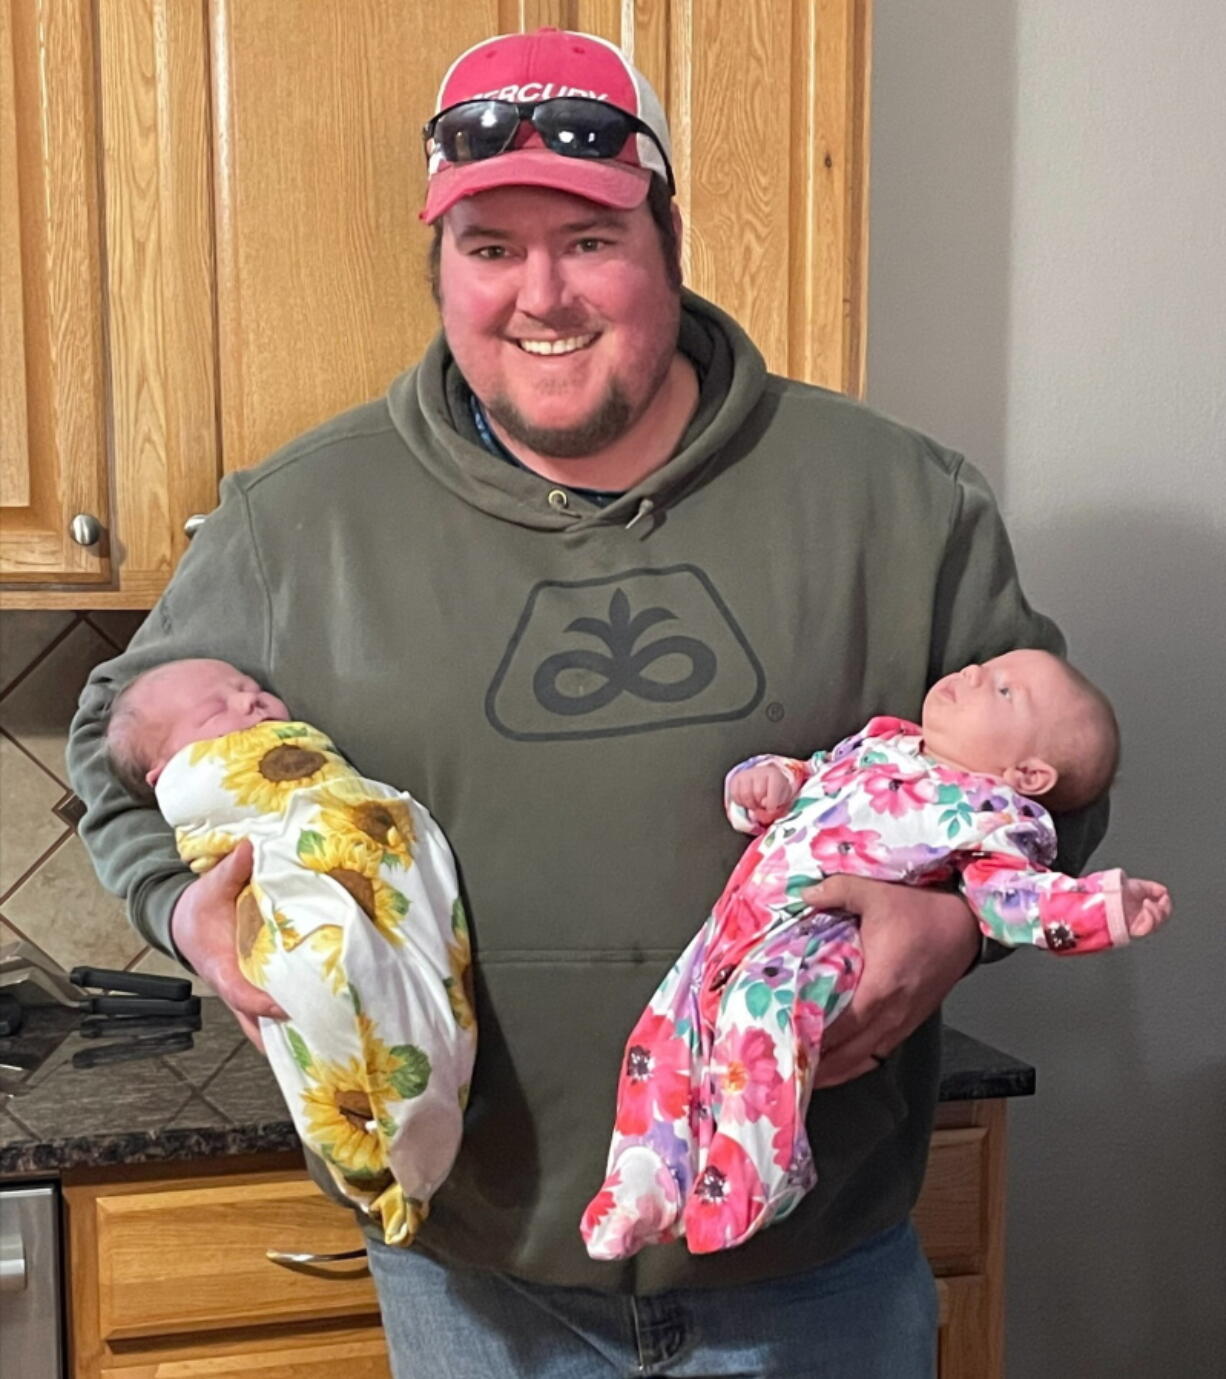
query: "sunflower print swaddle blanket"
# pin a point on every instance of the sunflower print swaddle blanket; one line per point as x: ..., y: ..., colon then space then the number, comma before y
x: 353, y: 924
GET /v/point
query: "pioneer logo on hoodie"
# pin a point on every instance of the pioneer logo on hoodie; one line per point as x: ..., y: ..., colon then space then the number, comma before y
x: 628, y: 653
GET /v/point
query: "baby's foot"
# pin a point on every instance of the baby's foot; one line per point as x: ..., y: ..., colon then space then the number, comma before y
x: 638, y: 1204
x: 727, y: 1203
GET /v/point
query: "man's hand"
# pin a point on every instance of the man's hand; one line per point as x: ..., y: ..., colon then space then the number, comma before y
x: 764, y: 792
x: 203, y: 926
x: 917, y: 944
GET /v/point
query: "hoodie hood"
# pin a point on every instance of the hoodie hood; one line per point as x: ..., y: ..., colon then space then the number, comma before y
x: 428, y: 402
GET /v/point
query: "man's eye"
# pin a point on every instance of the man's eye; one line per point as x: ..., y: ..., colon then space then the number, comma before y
x: 590, y: 245
x: 490, y: 251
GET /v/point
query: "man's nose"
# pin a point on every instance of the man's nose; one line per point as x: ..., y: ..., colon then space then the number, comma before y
x: 543, y: 290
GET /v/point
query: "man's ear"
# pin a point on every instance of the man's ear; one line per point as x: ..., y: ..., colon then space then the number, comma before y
x: 1033, y: 777
x: 678, y: 228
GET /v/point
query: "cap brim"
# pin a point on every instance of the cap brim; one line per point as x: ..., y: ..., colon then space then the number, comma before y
x: 604, y: 181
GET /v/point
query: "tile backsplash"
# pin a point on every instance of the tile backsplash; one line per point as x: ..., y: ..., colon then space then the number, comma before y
x: 48, y: 891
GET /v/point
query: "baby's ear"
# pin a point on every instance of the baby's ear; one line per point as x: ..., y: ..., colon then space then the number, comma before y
x: 1033, y: 777
x: 152, y: 774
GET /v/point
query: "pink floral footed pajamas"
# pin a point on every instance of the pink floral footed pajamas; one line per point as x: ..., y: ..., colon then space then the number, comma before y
x: 709, y: 1141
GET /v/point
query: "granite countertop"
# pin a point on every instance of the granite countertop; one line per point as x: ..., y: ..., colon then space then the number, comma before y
x: 219, y: 1097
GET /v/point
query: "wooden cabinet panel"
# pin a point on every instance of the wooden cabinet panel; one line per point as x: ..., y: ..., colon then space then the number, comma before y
x: 14, y: 423
x: 301, y: 1358
x: 960, y: 1217
x: 53, y: 391
x: 153, y: 63
x: 193, y: 1258
x: 967, y: 1346
x: 768, y: 107
x: 951, y: 1215
x: 321, y: 274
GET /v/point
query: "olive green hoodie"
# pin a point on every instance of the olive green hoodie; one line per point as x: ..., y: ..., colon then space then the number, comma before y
x: 564, y: 687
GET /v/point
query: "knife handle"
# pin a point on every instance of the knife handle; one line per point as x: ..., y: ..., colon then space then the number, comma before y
x: 116, y: 1026
x: 137, y: 983
x: 139, y: 1005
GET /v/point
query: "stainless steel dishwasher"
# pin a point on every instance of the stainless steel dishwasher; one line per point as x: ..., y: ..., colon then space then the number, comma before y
x: 31, y: 1315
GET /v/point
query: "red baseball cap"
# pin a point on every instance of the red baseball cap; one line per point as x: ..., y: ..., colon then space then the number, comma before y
x: 542, y: 66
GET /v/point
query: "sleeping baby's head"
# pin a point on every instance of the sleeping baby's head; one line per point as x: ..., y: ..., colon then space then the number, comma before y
x: 173, y: 705
x: 1029, y: 718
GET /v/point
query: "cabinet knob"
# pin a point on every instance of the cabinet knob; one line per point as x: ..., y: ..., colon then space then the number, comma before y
x: 85, y: 529
x: 194, y: 523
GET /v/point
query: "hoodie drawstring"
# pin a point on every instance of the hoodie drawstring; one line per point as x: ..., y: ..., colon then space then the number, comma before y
x: 646, y: 507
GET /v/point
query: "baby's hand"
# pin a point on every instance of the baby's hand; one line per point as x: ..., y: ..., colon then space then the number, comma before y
x: 764, y: 792
x: 1146, y: 905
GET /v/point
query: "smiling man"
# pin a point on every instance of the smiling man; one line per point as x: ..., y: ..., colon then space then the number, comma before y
x: 583, y: 557
x: 563, y: 320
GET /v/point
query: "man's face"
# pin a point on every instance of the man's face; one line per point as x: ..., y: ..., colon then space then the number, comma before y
x: 994, y: 716
x: 560, y: 314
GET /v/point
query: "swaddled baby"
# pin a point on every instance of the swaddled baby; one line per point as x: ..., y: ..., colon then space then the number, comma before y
x: 352, y: 922
x: 709, y: 1141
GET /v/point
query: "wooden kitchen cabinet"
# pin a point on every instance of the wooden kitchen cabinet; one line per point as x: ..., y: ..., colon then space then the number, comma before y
x: 961, y: 1221
x: 169, y: 1279
x: 52, y: 370
x: 108, y: 249
x: 210, y: 242
x: 169, y: 1276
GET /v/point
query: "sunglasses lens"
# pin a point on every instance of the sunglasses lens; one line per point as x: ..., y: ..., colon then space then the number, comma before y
x: 476, y: 130
x: 582, y: 129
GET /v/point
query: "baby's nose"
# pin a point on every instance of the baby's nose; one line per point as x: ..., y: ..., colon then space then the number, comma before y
x: 971, y: 673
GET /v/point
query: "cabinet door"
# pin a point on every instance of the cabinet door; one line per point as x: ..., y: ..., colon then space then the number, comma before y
x: 153, y: 64
x: 108, y: 379
x: 321, y: 260
x: 52, y: 384
x: 767, y: 102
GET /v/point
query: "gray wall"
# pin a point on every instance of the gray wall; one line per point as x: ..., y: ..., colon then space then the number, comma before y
x: 1048, y: 294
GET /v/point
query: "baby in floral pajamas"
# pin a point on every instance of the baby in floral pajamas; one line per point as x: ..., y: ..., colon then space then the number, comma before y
x: 709, y: 1139
x: 352, y: 922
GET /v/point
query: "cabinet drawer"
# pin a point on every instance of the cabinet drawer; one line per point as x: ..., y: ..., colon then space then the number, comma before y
x: 952, y: 1212
x: 297, y: 1358
x: 193, y: 1258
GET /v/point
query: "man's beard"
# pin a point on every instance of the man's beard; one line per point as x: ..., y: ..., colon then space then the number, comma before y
x: 610, y: 420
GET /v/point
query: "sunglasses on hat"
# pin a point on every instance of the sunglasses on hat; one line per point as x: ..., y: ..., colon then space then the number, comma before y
x: 573, y: 126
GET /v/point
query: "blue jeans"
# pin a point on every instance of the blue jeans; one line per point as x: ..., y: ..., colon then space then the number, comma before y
x: 870, y: 1314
